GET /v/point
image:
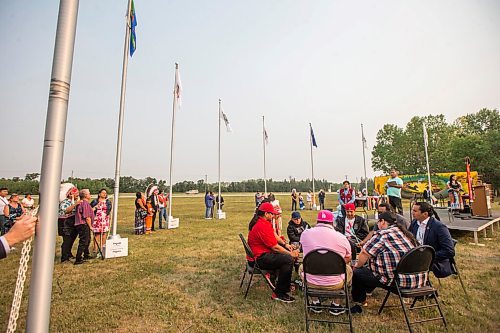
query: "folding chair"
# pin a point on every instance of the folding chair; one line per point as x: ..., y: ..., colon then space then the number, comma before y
x: 251, y: 270
x: 455, y: 271
x: 418, y: 260
x: 325, y: 262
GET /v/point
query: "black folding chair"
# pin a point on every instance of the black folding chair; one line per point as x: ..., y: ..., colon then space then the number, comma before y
x: 456, y: 272
x: 418, y: 260
x: 255, y: 269
x: 325, y: 262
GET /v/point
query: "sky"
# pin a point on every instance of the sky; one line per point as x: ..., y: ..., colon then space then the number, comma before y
x: 334, y: 64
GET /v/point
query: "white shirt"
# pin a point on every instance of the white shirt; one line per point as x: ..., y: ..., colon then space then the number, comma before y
x: 28, y: 203
x: 3, y: 202
x: 421, y: 230
x: 309, y: 197
x: 349, y: 232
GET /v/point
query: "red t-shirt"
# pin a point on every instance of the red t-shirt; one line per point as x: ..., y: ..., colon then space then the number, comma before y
x: 261, y: 238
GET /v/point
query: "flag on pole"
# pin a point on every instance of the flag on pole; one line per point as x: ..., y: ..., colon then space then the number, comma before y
x: 178, y: 86
x: 133, y: 23
x: 226, y: 121
x: 312, y: 137
x: 426, y: 138
x: 266, y: 137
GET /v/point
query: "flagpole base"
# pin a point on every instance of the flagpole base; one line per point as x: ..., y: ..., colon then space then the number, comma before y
x: 172, y: 223
x: 221, y: 215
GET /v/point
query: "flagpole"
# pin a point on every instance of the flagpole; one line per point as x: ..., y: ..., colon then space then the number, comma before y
x: 218, y: 204
x: 426, y: 142
x: 312, y: 166
x: 264, y: 145
x: 40, y: 291
x: 116, y: 190
x: 363, y: 142
x: 174, y: 106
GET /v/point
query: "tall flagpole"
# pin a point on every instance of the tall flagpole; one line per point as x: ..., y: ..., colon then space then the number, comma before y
x: 174, y: 106
x: 312, y: 165
x: 40, y: 293
x: 218, y: 208
x: 364, y: 158
x: 264, y: 145
x: 116, y: 190
x: 426, y: 142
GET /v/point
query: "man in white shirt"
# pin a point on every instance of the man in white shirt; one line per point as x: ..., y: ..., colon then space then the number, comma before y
x: 3, y: 202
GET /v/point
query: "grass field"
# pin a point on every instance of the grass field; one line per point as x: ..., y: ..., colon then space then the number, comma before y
x: 187, y: 280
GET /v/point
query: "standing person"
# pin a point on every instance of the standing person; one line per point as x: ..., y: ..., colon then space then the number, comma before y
x: 270, y: 252
x: 346, y: 196
x: 154, y: 205
x: 454, y: 189
x: 3, y: 202
x: 100, y: 226
x: 69, y: 197
x: 258, y: 199
x: 209, y: 204
x: 294, y: 199
x: 277, y: 220
x: 309, y: 200
x: 140, y: 213
x: 149, y: 216
x: 301, y: 202
x: 394, y: 185
x: 28, y: 202
x: 84, y: 219
x: 13, y: 211
x: 321, y: 197
x: 162, y: 206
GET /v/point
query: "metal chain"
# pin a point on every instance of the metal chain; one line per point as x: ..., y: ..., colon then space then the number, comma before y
x: 21, y: 279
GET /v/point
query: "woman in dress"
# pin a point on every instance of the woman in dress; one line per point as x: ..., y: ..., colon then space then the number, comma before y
x: 13, y: 211
x: 454, y: 189
x: 301, y: 202
x: 100, y: 226
x: 140, y: 213
x: 28, y: 202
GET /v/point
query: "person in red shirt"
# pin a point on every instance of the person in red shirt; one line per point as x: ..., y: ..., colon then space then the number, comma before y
x: 270, y: 254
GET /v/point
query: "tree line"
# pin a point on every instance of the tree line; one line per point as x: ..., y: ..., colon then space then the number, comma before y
x: 475, y: 135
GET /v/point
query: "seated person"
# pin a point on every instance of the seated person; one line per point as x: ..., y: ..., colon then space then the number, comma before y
x: 382, y: 208
x: 383, y: 253
x: 269, y: 251
x: 430, y: 231
x: 354, y: 227
x: 296, y: 227
x: 324, y: 236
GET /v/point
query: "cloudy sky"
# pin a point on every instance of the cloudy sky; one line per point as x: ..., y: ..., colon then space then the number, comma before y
x: 335, y: 64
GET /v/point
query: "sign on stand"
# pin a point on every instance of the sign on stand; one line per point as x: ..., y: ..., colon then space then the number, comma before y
x: 116, y: 248
x: 173, y: 223
x: 221, y: 215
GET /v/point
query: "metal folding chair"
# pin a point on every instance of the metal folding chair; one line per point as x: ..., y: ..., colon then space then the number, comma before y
x: 325, y: 262
x: 456, y: 272
x: 255, y: 269
x: 418, y: 260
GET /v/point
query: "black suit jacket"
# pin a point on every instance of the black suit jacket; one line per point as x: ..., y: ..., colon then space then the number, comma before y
x: 360, y: 227
x: 438, y: 236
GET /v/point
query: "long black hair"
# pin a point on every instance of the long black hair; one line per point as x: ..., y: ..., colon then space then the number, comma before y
x: 391, y: 220
x: 425, y: 207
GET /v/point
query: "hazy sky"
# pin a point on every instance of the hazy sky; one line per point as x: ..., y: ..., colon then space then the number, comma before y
x: 332, y: 63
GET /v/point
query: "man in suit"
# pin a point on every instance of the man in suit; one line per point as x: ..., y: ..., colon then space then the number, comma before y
x: 352, y: 226
x: 430, y: 231
x: 20, y: 231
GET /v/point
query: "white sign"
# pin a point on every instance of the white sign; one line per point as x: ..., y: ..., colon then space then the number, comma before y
x: 173, y: 223
x: 221, y: 215
x: 116, y: 248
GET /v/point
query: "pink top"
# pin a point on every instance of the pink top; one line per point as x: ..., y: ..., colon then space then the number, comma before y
x: 325, y: 236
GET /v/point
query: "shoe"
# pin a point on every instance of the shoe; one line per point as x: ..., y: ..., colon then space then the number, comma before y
x: 208, y: 218
x: 65, y: 261
x: 356, y: 309
x: 79, y: 262
x: 283, y: 298
x: 315, y: 307
x: 336, y: 309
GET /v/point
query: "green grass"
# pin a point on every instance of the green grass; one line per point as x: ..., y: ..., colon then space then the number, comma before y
x: 187, y: 280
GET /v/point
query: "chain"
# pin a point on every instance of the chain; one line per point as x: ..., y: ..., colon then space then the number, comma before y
x: 21, y: 279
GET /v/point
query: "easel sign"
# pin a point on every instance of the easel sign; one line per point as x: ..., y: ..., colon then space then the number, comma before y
x: 173, y: 223
x: 116, y: 248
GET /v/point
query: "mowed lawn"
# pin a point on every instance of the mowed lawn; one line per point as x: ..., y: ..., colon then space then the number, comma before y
x: 187, y: 280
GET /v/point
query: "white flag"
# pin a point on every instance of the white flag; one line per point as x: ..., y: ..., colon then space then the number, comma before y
x: 426, y: 138
x: 226, y: 121
x: 266, y: 137
x: 178, y: 87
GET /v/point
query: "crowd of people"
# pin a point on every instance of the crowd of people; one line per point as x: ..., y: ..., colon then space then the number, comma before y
x: 147, y: 208
x: 371, y: 255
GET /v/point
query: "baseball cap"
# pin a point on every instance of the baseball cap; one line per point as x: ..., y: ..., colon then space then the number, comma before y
x: 295, y: 215
x: 349, y: 206
x: 325, y: 216
x: 268, y: 208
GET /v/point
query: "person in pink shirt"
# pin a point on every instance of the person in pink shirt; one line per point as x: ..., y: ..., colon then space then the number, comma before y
x: 324, y: 235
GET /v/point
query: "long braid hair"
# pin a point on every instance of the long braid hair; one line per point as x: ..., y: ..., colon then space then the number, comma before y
x: 425, y: 207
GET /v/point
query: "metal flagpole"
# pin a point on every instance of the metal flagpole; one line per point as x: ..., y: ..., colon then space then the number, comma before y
x: 174, y: 106
x: 38, y: 318
x: 116, y: 191
x: 218, y: 208
x: 426, y: 142
x: 312, y: 164
x: 264, y: 145
x: 364, y: 158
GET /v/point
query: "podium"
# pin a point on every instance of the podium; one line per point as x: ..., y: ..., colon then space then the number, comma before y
x: 481, y: 205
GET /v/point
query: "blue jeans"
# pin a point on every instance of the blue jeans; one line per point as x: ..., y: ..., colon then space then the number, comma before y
x: 208, y: 212
x: 163, y: 213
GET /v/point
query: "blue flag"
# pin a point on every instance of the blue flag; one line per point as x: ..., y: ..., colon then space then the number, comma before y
x: 313, y: 139
x: 133, y: 23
